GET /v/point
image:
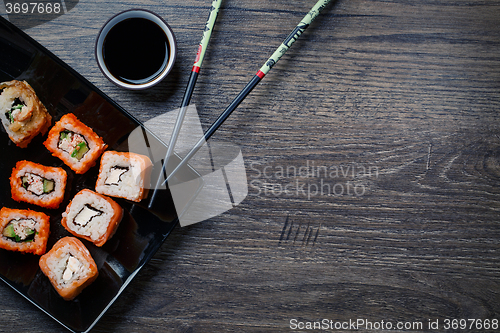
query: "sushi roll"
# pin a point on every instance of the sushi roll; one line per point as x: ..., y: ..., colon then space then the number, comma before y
x: 92, y: 216
x: 69, y: 267
x: 124, y: 175
x: 74, y: 143
x: 38, y: 184
x: 25, y: 231
x: 24, y: 116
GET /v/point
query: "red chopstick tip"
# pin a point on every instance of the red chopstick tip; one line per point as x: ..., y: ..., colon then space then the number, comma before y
x: 260, y: 74
x: 196, y: 69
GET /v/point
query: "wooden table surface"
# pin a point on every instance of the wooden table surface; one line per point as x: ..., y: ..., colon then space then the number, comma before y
x: 393, y: 107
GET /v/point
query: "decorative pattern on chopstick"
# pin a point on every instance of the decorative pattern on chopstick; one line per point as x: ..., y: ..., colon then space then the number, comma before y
x: 207, y: 32
x: 287, y: 43
x: 292, y: 37
x: 200, y: 55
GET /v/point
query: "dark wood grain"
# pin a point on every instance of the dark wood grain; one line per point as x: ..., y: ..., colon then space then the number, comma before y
x: 405, y: 93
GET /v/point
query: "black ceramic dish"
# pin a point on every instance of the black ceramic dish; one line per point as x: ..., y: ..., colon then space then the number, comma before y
x: 142, y: 230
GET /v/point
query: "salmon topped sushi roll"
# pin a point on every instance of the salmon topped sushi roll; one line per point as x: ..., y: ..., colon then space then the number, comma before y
x: 76, y: 144
x: 38, y: 184
x: 69, y: 267
x: 92, y: 216
x: 23, y: 115
x: 124, y: 175
x: 25, y: 231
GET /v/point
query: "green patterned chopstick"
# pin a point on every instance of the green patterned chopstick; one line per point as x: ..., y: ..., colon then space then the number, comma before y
x: 200, y: 55
x: 214, y: 11
x: 287, y: 43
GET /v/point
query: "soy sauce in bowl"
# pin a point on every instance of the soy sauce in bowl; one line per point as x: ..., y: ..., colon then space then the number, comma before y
x: 136, y: 51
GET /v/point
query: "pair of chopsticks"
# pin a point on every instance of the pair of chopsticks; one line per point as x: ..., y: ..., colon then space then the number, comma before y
x: 275, y: 57
x: 200, y: 55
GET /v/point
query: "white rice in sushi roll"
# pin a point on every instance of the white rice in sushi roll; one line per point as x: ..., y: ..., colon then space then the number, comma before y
x: 66, y: 266
x: 124, y: 175
x: 92, y: 216
x: 38, y: 184
x: 69, y: 267
x: 23, y: 115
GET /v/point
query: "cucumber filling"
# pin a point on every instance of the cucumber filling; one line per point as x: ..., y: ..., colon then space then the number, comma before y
x: 80, y: 150
x: 21, y: 230
x: 11, y: 114
x: 37, y: 184
x: 73, y: 143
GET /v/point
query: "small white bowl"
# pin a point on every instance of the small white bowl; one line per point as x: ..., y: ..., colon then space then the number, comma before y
x: 135, y: 13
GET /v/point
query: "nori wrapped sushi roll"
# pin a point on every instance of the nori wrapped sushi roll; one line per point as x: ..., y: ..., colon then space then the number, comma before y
x: 23, y: 115
x: 124, y: 175
x: 76, y: 144
x: 69, y: 267
x: 24, y: 230
x: 92, y: 216
x: 38, y: 184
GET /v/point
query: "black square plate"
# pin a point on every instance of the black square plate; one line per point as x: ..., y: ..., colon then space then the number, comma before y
x: 142, y: 230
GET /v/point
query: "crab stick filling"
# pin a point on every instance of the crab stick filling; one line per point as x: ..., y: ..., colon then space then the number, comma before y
x: 36, y: 184
x: 73, y: 143
x: 21, y: 230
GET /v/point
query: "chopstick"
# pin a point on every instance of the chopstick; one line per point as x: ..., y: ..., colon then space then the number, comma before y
x: 200, y: 55
x: 275, y: 57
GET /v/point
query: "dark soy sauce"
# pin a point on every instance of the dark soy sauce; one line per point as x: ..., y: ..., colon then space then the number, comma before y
x: 136, y: 51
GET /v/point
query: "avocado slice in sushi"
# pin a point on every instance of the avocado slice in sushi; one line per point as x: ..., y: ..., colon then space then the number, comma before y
x: 9, y: 232
x: 48, y: 186
x: 67, y: 143
x: 80, y: 150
